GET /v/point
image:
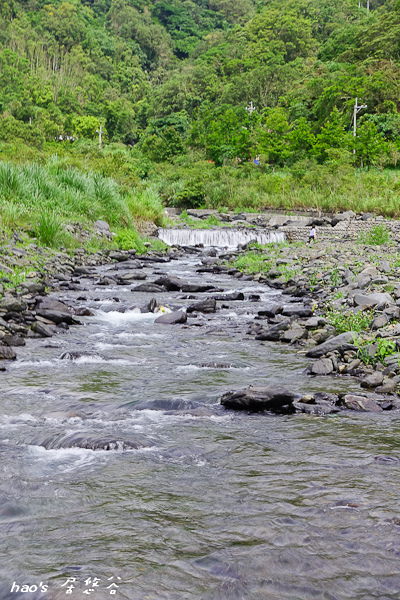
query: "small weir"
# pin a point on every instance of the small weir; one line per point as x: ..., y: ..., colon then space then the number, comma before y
x: 222, y: 237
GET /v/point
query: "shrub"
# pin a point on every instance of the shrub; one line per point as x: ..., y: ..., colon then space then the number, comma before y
x: 349, y: 321
x: 128, y: 239
x: 48, y: 229
x: 378, y: 235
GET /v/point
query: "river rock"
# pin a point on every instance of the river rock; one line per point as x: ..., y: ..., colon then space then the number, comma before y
x: 258, y: 399
x: 102, y: 226
x: 361, y: 403
x: 339, y: 343
x: 7, y: 353
x: 119, y: 256
x: 33, y: 287
x: 106, y: 281
x: 11, y: 304
x: 230, y: 297
x: 178, y: 316
x: 192, y: 288
x: 83, y: 271
x: 55, y: 316
x: 149, y: 287
x: 379, y: 322
x: 320, y: 409
x: 84, y: 312
x: 345, y: 216
x: 389, y: 387
x: 52, y: 304
x: 322, y: 366
x: 296, y: 310
x: 271, y: 312
x: 373, y: 380
x: 42, y: 329
x: 205, y: 306
x: 314, y: 322
x: 274, y: 333
x: 13, y: 340
x: 172, y: 284
x: 373, y: 299
x: 292, y: 335
x: 127, y: 278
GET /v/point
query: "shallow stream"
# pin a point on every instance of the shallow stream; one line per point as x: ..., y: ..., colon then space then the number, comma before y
x: 211, y: 504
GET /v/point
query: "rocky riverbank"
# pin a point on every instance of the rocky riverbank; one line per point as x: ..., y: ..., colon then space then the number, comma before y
x: 29, y: 273
x: 346, y: 317
x: 343, y: 308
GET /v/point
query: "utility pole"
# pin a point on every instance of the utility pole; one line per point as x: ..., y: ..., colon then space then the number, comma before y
x: 100, y: 131
x: 250, y: 109
x: 357, y: 108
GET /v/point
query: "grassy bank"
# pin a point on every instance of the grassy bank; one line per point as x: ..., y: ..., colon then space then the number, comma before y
x: 119, y: 181
x: 43, y: 199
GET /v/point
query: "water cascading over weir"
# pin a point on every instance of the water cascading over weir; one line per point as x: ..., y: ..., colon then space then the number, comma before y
x: 223, y: 237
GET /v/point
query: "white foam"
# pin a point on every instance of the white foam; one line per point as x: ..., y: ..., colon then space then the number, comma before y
x: 130, y: 316
x: 15, y: 420
x: 104, y: 346
x: 64, y: 460
x: 223, y: 237
x: 96, y: 359
x: 142, y: 334
x: 18, y: 364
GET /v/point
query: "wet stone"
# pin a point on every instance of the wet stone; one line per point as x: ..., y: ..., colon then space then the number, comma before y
x: 292, y: 335
x: 373, y: 380
x: 361, y: 403
x: 323, y: 366
x: 256, y: 399
x: 172, y: 318
x: 7, y: 353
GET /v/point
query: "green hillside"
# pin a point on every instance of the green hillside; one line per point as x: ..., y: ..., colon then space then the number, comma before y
x: 169, y: 82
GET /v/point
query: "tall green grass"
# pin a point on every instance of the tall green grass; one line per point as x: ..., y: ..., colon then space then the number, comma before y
x: 44, y: 197
x: 119, y: 184
x: 32, y: 189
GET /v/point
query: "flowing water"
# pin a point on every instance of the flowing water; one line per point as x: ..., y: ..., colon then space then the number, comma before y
x: 189, y: 502
x: 227, y: 236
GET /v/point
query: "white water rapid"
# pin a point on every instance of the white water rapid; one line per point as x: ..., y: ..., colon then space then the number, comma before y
x: 223, y: 237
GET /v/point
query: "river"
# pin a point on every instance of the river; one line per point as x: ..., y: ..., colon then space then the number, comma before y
x: 212, y: 504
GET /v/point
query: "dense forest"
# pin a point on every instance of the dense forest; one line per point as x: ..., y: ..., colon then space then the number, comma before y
x: 171, y: 82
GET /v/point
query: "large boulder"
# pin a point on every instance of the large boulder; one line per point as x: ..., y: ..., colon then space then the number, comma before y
x: 11, y: 304
x: 171, y: 283
x: 257, y: 399
x: 373, y: 299
x: 297, y: 310
x: 344, y: 341
x: 7, y: 353
x: 205, y: 306
x: 178, y: 316
x: 373, y: 380
x: 345, y: 216
x: 56, y: 316
x: 49, y: 303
